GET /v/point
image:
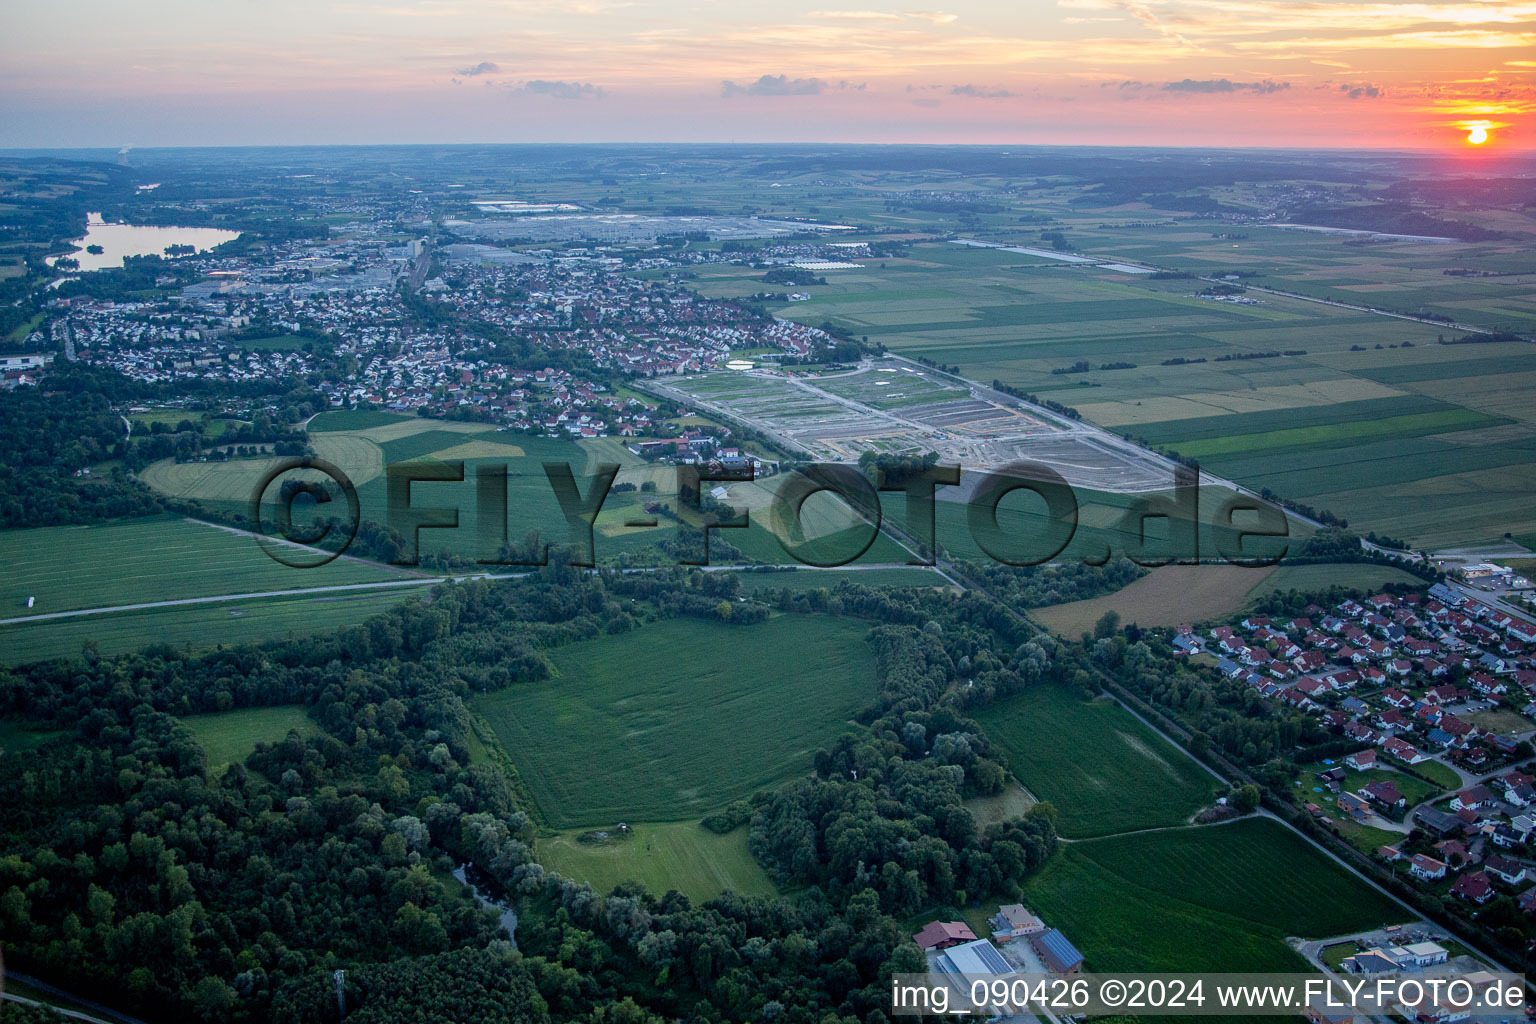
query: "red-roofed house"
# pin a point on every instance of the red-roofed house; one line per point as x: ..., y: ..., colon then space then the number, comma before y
x: 1361, y: 760
x: 943, y: 934
x: 1473, y: 886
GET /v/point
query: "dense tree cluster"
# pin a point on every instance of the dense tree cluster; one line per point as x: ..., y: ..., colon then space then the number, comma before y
x: 1041, y: 585
x: 47, y: 438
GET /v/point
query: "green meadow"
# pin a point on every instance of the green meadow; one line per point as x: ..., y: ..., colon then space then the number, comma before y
x: 681, y: 855
x: 229, y: 737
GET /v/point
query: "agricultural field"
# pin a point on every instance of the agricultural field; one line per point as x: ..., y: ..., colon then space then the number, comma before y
x: 681, y: 855
x: 1397, y: 433
x: 1104, y: 525
x: 1174, y: 594
x: 1166, y: 596
x: 229, y: 737
x: 681, y: 717
x: 154, y: 559
x: 1363, y: 576
x: 199, y: 627
x: 1208, y: 898
x: 1104, y: 770
x: 362, y: 444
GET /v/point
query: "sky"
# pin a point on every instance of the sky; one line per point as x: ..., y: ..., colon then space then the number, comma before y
x: 1314, y: 73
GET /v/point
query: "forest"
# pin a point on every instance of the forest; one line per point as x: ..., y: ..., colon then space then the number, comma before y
x: 135, y: 870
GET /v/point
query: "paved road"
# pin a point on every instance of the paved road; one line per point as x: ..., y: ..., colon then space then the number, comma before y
x: 103, y: 1014
x: 1360, y: 309
x: 415, y: 581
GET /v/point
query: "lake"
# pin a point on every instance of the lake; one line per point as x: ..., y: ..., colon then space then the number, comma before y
x: 119, y: 240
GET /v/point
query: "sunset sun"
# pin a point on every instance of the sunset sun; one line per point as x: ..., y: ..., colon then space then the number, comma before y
x: 1477, y: 136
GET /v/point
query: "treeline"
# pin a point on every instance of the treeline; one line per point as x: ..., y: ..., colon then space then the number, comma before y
x: 1334, y: 544
x: 1491, y: 338
x: 1231, y: 356
x: 1083, y: 366
x: 1056, y: 407
x: 58, y: 434
x: 1042, y: 585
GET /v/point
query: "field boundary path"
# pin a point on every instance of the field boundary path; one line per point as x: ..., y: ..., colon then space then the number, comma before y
x: 254, y: 595
x: 108, y: 1015
x: 413, y: 581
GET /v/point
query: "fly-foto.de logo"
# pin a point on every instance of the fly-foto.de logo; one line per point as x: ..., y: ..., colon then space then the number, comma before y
x: 1154, y: 529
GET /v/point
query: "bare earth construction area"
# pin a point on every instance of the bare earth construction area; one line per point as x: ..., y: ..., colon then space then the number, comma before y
x: 891, y: 405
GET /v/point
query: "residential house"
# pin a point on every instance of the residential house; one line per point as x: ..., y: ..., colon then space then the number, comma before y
x: 1361, y: 760
x: 1426, y: 868
x: 1511, y: 872
x: 1354, y: 805
x: 1385, y: 794
x: 1473, y: 886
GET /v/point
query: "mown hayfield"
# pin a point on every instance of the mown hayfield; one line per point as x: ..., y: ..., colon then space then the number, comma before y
x: 681, y: 855
x: 1211, y: 898
x: 156, y: 559
x: 680, y: 717
x: 236, y: 480
x: 230, y: 737
x: 1166, y: 596
x: 1013, y: 802
x: 199, y: 626
x: 1104, y: 770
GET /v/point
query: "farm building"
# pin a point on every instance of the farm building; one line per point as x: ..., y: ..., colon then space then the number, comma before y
x: 971, y: 959
x: 1014, y: 921
x: 943, y: 934
x: 978, y: 956
x: 1059, y: 954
